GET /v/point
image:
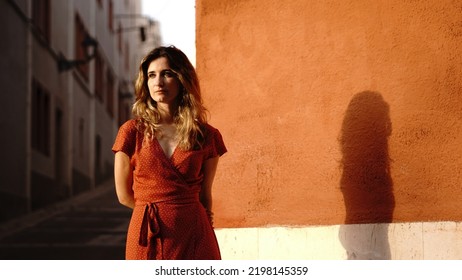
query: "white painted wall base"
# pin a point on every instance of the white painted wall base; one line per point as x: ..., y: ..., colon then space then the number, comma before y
x: 396, y: 241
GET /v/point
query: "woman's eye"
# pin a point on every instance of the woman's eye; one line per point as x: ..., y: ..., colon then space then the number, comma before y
x: 151, y: 75
x: 168, y: 74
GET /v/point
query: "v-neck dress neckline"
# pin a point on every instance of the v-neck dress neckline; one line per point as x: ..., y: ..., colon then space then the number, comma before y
x: 170, y: 158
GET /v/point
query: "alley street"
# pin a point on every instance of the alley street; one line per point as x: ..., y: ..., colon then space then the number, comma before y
x: 92, y: 227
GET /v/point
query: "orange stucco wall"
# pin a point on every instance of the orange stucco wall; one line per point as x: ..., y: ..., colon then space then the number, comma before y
x: 334, y: 112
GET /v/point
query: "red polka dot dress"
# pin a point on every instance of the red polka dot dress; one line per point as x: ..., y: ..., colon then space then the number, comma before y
x: 168, y: 221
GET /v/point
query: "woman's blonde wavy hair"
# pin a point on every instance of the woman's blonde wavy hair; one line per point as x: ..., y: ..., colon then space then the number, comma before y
x: 191, y: 115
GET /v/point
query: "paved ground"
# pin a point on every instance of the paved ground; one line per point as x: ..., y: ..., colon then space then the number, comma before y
x: 90, y: 227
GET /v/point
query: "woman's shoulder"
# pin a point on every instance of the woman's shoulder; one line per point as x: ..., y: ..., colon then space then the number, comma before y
x: 209, y: 129
x: 129, y: 127
x: 212, y: 133
x: 126, y: 138
x: 130, y: 124
x: 214, y: 140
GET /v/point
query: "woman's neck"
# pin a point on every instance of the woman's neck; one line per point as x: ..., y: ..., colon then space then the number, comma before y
x: 167, y: 114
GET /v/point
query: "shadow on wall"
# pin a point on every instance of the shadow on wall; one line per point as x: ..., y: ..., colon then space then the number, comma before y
x: 366, y: 182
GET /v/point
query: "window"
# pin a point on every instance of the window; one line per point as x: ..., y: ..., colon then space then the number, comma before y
x: 40, y: 123
x: 99, y: 74
x: 110, y: 16
x: 124, y: 111
x: 119, y: 37
x: 81, y: 137
x: 110, y: 93
x: 127, y: 57
x: 41, y: 17
x: 80, y: 49
x: 98, y: 149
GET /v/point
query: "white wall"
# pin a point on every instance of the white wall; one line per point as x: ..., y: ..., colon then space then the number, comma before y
x: 397, y: 241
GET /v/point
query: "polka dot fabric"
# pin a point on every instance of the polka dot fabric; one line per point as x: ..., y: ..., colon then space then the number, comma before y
x: 168, y: 221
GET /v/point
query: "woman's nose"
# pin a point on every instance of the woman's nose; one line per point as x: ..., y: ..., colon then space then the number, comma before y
x: 159, y: 81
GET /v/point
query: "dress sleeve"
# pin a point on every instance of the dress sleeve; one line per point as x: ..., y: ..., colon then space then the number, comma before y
x: 126, y: 139
x: 217, y: 146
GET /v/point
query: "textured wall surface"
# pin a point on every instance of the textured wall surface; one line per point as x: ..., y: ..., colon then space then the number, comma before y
x: 334, y: 112
x: 395, y: 241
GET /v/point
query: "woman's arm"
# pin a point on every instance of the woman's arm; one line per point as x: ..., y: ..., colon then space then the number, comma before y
x: 209, y: 169
x: 123, y: 176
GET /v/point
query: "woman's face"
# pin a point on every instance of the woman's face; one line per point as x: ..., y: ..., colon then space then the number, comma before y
x: 163, y: 83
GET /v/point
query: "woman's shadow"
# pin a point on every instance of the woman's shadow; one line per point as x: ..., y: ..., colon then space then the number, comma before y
x: 366, y: 182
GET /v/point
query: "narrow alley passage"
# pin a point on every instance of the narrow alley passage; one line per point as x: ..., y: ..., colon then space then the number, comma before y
x: 93, y: 228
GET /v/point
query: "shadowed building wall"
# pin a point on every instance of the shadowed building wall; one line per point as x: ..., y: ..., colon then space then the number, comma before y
x: 58, y: 120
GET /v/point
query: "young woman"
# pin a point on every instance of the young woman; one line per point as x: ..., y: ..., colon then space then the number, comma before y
x: 165, y: 163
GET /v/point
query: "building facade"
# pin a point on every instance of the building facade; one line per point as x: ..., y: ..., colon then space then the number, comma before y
x: 67, y: 78
x: 343, y: 122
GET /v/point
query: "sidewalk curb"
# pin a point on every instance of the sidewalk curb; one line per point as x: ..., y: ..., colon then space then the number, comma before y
x: 31, y: 219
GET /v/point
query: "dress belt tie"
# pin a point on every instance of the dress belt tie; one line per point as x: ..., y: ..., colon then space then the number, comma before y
x: 150, y: 220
